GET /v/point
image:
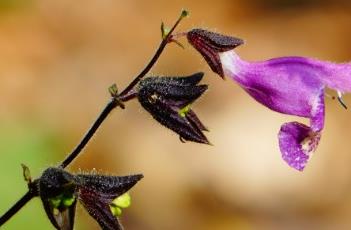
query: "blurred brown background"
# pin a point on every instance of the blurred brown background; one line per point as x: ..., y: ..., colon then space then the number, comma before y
x: 57, y: 59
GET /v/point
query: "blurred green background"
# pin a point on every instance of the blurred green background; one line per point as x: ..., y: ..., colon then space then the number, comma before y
x: 57, y: 59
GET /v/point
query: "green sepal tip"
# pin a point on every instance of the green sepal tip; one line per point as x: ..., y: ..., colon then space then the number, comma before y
x: 122, y: 201
x: 62, y: 200
x: 116, y: 211
x: 119, y: 203
x: 183, y: 111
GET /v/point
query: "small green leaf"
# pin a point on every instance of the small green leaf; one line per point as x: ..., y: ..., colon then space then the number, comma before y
x: 26, y: 174
x: 113, y: 90
x: 164, y: 31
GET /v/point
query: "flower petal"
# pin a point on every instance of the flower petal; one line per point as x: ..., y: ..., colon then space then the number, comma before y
x: 96, y: 193
x: 288, y: 85
x: 99, y: 208
x: 337, y: 76
x: 318, y: 112
x: 297, y: 141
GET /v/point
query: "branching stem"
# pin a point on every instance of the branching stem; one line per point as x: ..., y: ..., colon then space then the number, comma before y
x: 116, y: 101
x: 127, y: 94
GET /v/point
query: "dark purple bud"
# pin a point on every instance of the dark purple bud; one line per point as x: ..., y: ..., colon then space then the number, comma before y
x: 97, y: 192
x: 57, y: 190
x: 168, y: 100
x: 209, y: 44
x: 60, y: 190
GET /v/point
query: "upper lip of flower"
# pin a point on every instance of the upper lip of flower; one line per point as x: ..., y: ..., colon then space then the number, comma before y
x: 210, y: 44
x: 168, y: 100
x: 215, y: 41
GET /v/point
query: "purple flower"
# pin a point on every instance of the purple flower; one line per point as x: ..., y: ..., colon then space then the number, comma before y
x: 289, y: 85
x: 99, y: 194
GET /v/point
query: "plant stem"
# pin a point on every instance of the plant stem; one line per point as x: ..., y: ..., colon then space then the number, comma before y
x: 103, y: 115
x: 16, y: 207
x: 157, y: 54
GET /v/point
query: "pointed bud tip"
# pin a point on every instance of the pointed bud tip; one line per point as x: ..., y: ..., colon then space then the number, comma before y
x: 210, y: 143
x: 207, y: 142
x: 137, y: 177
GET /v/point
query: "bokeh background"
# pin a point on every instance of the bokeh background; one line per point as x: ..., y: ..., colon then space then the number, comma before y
x: 57, y: 59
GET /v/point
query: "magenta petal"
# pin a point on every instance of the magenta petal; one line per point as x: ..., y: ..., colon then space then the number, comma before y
x: 297, y: 141
x: 318, y: 113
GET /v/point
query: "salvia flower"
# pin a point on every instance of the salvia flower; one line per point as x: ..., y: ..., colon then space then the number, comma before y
x: 169, y: 99
x: 102, y: 196
x: 289, y: 85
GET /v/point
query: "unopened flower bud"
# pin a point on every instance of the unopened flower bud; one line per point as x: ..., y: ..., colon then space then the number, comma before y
x: 168, y: 100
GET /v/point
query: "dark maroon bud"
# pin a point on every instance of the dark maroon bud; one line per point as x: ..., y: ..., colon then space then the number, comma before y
x: 209, y: 44
x: 60, y: 190
x: 97, y: 193
x: 57, y: 190
x: 168, y: 100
